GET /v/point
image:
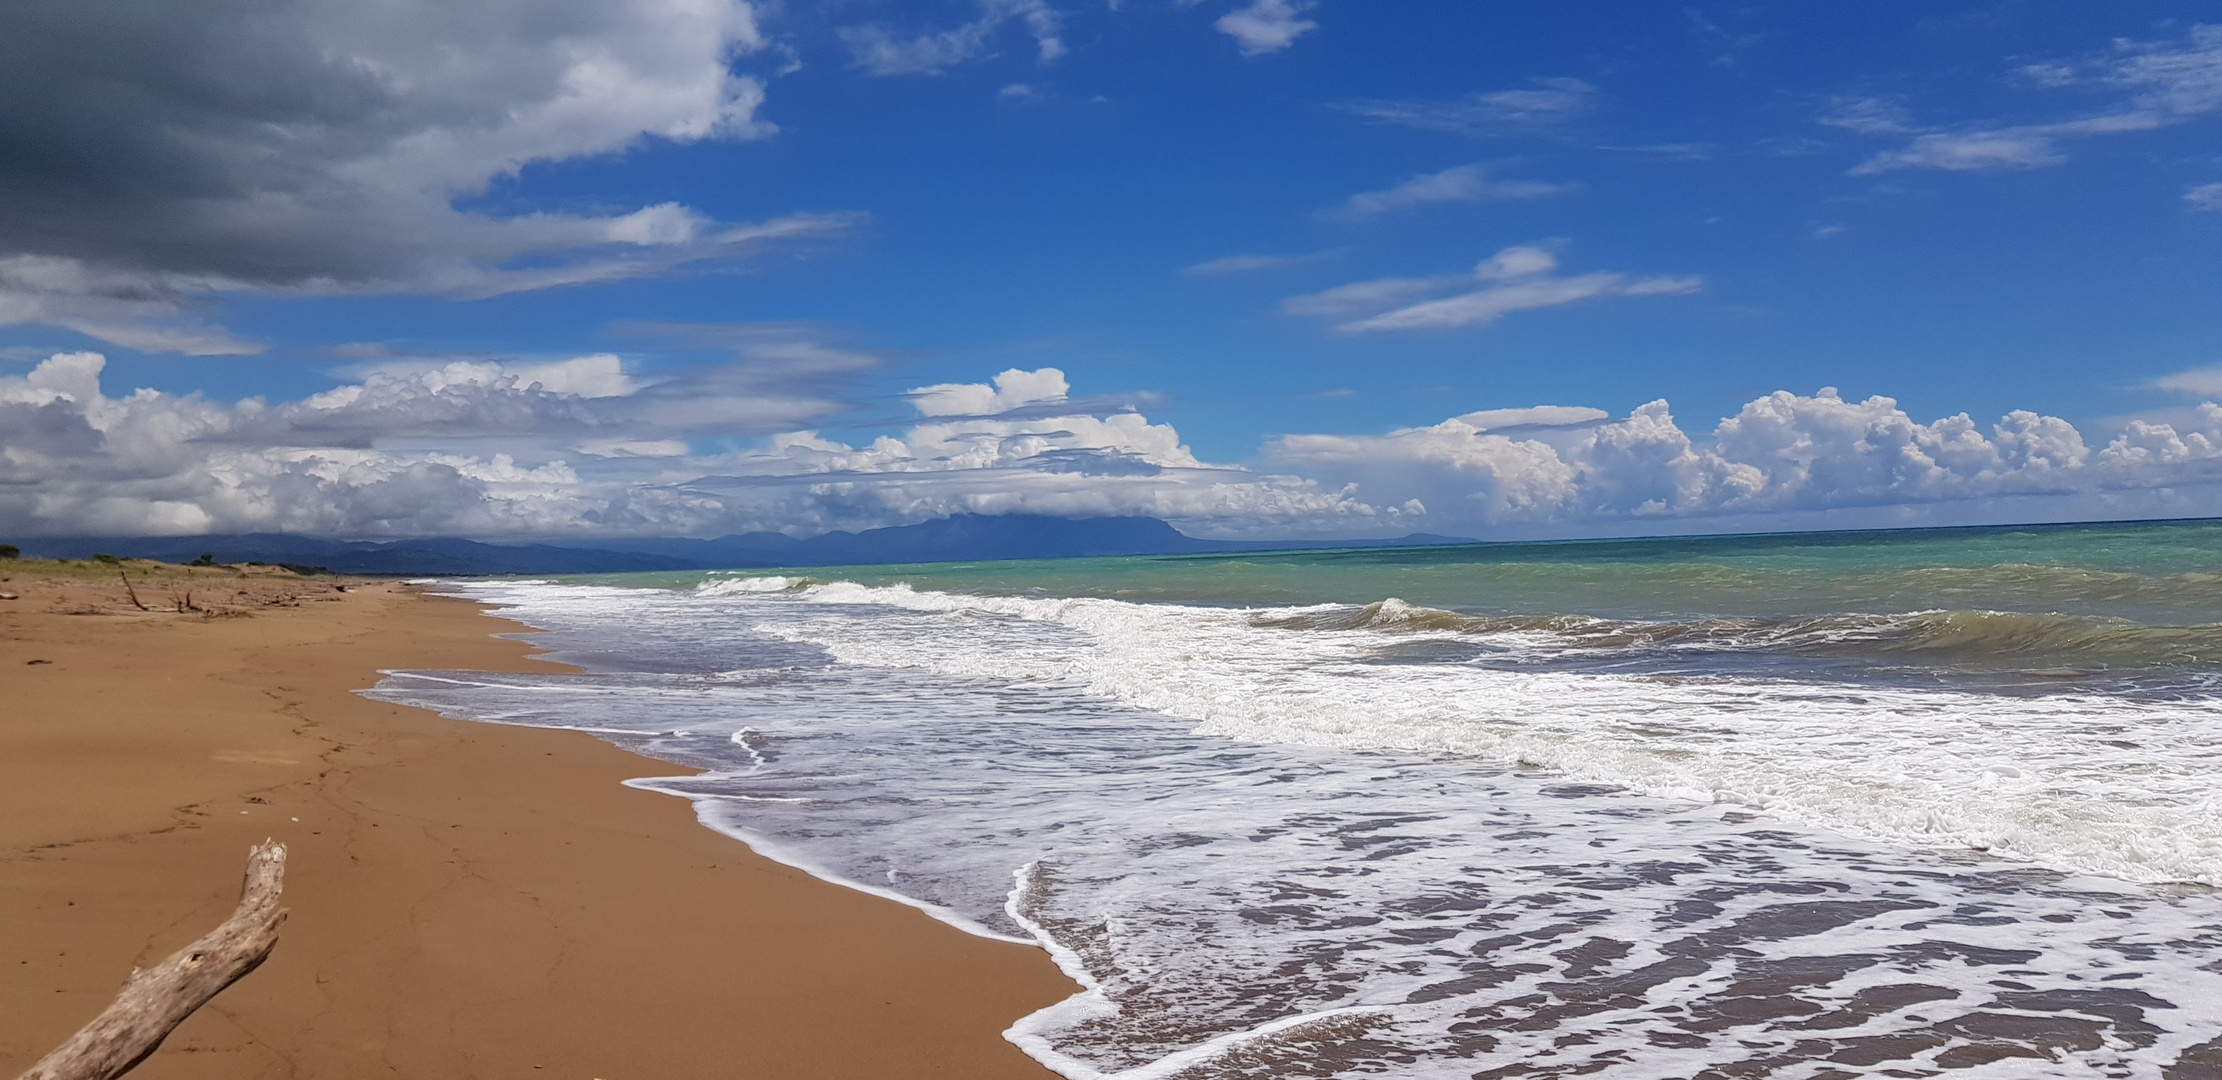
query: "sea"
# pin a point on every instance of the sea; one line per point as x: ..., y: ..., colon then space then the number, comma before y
x: 1903, y: 803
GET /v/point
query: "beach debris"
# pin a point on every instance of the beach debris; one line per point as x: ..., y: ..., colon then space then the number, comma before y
x: 129, y: 591
x: 154, y: 1001
x: 7, y: 596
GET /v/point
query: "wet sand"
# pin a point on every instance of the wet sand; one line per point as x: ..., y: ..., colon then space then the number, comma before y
x: 467, y: 900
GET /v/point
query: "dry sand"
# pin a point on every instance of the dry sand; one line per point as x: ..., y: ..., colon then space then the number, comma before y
x: 467, y: 900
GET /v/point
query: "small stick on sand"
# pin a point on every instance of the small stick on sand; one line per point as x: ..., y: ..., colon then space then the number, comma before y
x: 154, y: 1002
x: 129, y: 591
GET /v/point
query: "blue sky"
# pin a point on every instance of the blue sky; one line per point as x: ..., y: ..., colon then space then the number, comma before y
x: 1290, y: 241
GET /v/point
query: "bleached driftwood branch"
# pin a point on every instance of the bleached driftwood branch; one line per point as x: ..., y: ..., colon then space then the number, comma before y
x: 153, y: 1002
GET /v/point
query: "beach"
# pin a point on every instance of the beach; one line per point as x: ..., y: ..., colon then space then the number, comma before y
x: 466, y: 899
x: 1699, y: 807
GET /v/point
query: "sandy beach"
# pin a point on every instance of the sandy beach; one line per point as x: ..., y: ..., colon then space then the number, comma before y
x: 467, y: 900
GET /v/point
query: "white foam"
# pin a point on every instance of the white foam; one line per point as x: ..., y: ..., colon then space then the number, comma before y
x: 746, y: 585
x: 2045, y: 779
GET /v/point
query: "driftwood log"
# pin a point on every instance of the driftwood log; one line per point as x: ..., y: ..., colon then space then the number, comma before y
x: 129, y: 591
x: 153, y: 1002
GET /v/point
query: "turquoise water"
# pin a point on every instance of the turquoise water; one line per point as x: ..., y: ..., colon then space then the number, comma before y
x: 2156, y: 572
x: 2047, y: 603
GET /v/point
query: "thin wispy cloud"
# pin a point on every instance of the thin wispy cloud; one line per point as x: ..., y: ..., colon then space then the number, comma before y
x: 2030, y: 146
x: 1869, y: 115
x: 1968, y: 152
x: 2161, y: 83
x: 1514, y: 279
x: 1545, y: 104
x: 2205, y: 197
x: 1248, y: 264
x: 1729, y: 45
x: 1685, y: 151
x: 1360, y: 297
x: 2175, y: 79
x: 1463, y: 184
x: 2200, y: 382
x: 1493, y: 303
x: 1267, y: 26
x: 878, y: 49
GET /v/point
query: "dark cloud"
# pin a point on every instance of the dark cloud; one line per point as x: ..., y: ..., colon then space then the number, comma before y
x: 155, y: 153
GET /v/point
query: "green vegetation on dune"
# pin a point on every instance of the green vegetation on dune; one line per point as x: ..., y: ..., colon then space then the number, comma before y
x: 107, y: 569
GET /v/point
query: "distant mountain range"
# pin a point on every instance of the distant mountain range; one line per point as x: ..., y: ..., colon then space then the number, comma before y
x: 964, y: 538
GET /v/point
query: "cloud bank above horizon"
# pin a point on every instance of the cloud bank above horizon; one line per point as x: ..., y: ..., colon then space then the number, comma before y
x: 584, y: 447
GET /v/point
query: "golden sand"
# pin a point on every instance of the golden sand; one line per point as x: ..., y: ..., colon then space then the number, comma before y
x: 467, y: 900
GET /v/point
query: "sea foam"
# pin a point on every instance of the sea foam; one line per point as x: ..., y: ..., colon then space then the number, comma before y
x: 2084, y: 783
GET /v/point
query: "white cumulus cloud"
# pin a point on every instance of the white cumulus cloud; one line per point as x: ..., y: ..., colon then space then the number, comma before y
x: 963, y: 457
x: 1012, y: 389
x: 1783, y: 458
x: 582, y: 448
x: 587, y: 447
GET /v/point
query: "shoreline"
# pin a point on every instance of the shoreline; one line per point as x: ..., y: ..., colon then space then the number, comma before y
x: 467, y: 899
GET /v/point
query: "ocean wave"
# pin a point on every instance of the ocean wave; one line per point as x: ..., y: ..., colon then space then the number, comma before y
x: 2008, y: 639
x: 747, y: 585
x: 2078, y: 781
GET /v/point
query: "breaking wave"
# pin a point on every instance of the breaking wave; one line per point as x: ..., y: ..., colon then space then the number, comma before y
x: 1988, y: 638
x: 2078, y: 781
